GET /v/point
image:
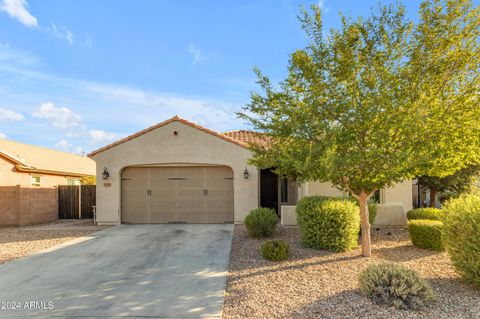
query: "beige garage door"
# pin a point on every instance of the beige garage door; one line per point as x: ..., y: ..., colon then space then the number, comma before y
x: 177, y: 194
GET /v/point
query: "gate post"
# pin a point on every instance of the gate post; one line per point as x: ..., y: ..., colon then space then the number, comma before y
x: 79, y: 201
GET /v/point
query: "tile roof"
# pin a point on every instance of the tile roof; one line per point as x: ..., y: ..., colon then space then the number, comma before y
x: 248, y: 137
x: 30, y: 158
x: 154, y: 127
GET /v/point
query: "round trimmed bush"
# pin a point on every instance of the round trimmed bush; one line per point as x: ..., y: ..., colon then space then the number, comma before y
x: 426, y: 233
x: 394, y: 285
x: 461, y: 236
x: 425, y: 213
x: 328, y: 223
x: 261, y: 222
x: 275, y: 250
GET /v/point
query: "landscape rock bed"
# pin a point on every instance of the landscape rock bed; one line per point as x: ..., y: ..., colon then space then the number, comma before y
x: 322, y: 284
x: 16, y: 242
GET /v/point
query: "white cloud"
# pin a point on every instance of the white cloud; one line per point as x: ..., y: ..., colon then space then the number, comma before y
x: 18, y: 9
x: 12, y: 57
x: 61, y: 117
x: 154, y: 105
x: 10, y: 116
x: 323, y: 7
x: 61, y: 33
x: 64, y: 145
x: 197, y: 55
x: 3, y: 136
x: 99, y: 136
x: 111, y: 107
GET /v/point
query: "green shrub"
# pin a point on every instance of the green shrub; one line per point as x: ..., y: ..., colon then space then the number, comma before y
x: 372, y: 212
x: 426, y: 233
x: 395, y: 285
x: 328, y: 223
x: 261, y: 222
x: 461, y: 236
x: 275, y: 250
x: 425, y: 213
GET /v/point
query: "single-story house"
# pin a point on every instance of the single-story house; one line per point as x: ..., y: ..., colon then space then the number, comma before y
x: 178, y: 171
x: 32, y: 166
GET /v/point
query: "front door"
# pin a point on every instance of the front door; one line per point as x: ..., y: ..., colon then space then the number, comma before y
x: 268, y: 189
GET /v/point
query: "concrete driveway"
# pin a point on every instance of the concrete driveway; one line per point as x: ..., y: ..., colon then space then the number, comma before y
x: 154, y: 271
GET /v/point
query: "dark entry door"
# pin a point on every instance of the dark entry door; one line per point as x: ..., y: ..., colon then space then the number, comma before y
x: 268, y: 189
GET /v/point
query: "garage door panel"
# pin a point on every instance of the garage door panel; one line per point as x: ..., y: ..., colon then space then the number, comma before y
x: 134, y: 195
x: 177, y: 194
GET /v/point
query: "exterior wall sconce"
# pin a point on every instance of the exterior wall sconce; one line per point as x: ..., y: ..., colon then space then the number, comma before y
x: 105, y: 173
x: 246, y: 173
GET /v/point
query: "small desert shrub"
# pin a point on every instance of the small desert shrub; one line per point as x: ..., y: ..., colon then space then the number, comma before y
x: 395, y: 285
x: 328, y: 223
x: 461, y: 235
x: 275, y: 250
x: 426, y: 233
x: 425, y: 213
x: 261, y: 222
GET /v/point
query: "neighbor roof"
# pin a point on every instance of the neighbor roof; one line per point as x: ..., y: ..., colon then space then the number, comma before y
x: 248, y: 137
x: 176, y: 118
x: 30, y: 158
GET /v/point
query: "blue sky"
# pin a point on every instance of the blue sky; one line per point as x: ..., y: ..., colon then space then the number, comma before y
x: 76, y: 75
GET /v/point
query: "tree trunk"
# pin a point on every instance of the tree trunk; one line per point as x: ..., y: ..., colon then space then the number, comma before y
x: 366, y: 246
x: 433, y: 196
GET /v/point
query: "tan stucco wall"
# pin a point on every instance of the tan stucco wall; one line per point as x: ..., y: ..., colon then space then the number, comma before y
x: 161, y: 146
x: 400, y: 194
x: 322, y: 189
x: 10, y: 177
x: 394, y: 202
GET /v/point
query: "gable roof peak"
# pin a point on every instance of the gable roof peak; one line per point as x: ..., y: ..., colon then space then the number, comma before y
x: 176, y: 118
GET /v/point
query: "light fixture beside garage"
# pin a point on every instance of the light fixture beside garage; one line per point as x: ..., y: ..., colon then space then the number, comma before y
x: 246, y: 173
x: 105, y: 173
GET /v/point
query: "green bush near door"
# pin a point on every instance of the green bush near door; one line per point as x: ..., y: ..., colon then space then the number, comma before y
x: 261, y: 222
x: 328, y: 223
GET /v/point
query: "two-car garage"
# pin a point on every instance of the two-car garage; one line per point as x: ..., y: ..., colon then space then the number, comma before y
x: 175, y: 172
x: 177, y: 194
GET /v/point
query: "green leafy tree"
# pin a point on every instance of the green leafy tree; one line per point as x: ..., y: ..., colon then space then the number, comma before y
x: 375, y: 102
x: 459, y: 182
x: 88, y: 180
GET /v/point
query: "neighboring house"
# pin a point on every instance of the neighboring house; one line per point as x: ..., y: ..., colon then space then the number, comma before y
x: 32, y: 166
x: 178, y: 171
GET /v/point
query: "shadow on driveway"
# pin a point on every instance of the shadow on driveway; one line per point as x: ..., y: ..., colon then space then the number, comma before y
x: 170, y: 271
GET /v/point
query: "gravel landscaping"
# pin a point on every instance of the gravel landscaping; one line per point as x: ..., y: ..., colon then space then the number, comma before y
x: 321, y: 284
x: 23, y: 241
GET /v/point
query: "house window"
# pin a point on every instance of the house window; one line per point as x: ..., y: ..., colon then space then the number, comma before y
x: 284, y: 190
x: 35, y: 180
x: 376, y: 197
x: 73, y: 181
